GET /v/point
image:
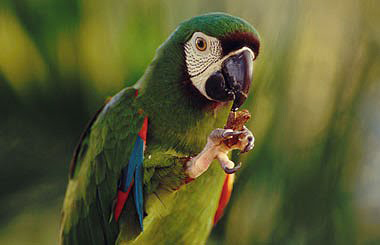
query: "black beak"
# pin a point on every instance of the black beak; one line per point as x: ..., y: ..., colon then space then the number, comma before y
x: 233, y: 81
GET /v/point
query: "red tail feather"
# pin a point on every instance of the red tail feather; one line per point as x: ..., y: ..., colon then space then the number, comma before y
x: 224, y: 197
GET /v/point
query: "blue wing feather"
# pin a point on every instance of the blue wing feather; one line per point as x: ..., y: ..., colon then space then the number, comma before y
x: 132, y: 177
x: 134, y: 172
x: 138, y: 192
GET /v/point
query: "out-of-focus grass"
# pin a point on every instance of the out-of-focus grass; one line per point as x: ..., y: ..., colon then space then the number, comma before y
x: 310, y: 179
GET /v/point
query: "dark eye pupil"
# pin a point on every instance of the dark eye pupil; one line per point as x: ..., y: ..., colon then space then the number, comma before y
x: 201, y: 44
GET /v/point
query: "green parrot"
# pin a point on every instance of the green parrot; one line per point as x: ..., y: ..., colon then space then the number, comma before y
x: 142, y: 172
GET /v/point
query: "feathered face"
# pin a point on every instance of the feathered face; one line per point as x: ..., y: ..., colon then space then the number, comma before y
x: 207, y: 59
x: 220, y: 69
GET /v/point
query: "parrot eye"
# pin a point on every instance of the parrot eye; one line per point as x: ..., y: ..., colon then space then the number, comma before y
x: 201, y: 51
x: 201, y: 44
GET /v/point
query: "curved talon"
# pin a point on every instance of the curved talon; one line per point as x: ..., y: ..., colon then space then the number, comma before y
x: 232, y: 170
x: 230, y: 133
x: 247, y: 149
x: 250, y: 144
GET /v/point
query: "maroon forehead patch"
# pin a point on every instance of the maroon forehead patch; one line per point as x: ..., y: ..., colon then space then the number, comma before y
x: 237, y: 40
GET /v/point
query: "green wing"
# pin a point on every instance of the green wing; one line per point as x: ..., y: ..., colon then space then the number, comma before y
x: 103, y: 152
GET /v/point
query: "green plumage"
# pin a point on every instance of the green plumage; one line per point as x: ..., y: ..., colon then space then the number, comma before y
x: 92, y: 188
x: 179, y: 124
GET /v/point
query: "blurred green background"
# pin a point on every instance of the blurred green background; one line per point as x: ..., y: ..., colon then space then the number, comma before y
x: 314, y: 175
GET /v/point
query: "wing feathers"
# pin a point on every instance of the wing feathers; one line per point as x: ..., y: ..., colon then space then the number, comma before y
x: 138, y: 192
x: 132, y: 176
x: 105, y: 150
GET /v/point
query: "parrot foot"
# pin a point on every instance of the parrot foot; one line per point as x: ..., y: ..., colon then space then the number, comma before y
x: 216, y: 148
x: 232, y: 170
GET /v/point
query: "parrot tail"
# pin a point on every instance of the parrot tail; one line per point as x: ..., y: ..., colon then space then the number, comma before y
x: 224, y: 197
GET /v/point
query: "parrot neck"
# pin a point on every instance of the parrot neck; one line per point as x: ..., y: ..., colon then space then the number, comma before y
x: 179, y: 117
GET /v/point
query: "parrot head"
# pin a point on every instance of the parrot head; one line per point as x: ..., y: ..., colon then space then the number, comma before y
x: 219, y: 54
x: 209, y: 58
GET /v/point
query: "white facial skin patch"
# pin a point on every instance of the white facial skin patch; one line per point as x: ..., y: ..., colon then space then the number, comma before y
x: 198, y: 60
x: 204, y: 57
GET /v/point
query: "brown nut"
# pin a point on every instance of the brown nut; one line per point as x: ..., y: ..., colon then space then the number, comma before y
x: 236, y: 121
